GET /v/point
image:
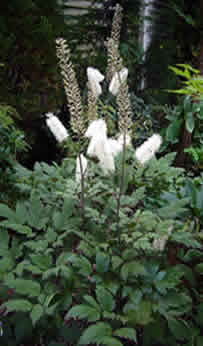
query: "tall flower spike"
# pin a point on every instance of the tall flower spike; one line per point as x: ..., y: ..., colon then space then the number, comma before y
x: 116, y: 24
x: 56, y: 127
x: 71, y: 87
x: 124, y: 108
x: 148, y: 149
x: 114, y: 61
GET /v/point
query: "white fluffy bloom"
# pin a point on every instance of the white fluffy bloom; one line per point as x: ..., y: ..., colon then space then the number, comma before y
x: 148, y: 149
x: 118, y: 78
x: 99, y: 145
x: 95, y: 78
x: 115, y: 146
x: 56, y: 127
x: 79, y: 172
x: 96, y: 127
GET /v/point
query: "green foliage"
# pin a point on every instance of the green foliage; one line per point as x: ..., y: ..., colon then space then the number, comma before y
x: 194, y: 82
x: 12, y: 144
x: 60, y: 268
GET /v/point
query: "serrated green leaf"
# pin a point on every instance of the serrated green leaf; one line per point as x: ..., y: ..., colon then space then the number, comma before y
x: 18, y: 305
x: 36, y: 313
x: 95, y: 333
x: 84, y: 311
x: 105, y: 299
x: 127, y: 333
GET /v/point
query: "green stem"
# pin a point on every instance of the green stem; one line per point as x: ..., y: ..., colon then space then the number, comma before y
x: 82, y: 197
x: 121, y: 190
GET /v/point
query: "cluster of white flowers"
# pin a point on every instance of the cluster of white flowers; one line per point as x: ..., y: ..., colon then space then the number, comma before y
x: 148, y: 149
x: 94, y: 79
x: 56, y: 127
x: 100, y: 146
x: 117, y: 80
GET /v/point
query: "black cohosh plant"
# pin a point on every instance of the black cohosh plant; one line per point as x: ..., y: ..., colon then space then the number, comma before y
x: 89, y: 255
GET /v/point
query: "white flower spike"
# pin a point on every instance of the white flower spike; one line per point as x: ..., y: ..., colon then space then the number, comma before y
x: 117, y: 80
x: 56, y: 127
x: 115, y: 146
x: 78, y: 168
x: 95, y: 78
x: 99, y: 145
x: 96, y: 127
x: 148, y: 149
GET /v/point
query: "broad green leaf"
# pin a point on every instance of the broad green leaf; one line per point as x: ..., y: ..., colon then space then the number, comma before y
x: 110, y: 341
x: 36, y: 313
x: 178, y: 328
x: 199, y: 341
x: 8, y: 213
x: 26, y: 287
x: 83, y: 311
x: 6, y: 264
x: 133, y: 268
x: 173, y: 130
x: 95, y: 333
x: 105, y: 299
x: 141, y: 313
x: 82, y: 263
x: 187, y: 104
x: 44, y: 262
x: 21, y: 213
x: 18, y: 305
x: 102, y: 263
x: 91, y: 301
x: 4, y: 242
x: 199, y: 268
x: 17, y: 227
x: 190, y: 122
x: 127, y: 333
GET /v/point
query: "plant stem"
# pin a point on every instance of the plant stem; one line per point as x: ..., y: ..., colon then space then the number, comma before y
x: 121, y: 190
x: 82, y: 197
